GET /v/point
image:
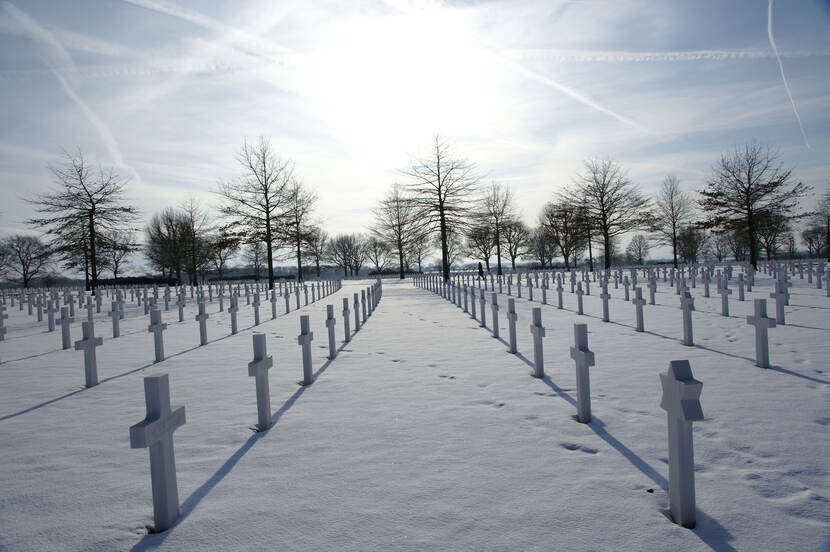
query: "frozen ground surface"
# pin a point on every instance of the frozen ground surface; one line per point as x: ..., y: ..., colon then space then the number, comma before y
x: 424, y: 433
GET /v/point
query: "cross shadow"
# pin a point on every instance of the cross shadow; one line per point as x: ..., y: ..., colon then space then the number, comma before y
x: 152, y: 540
x: 796, y: 374
x: 705, y: 348
x: 808, y: 327
x: 33, y: 356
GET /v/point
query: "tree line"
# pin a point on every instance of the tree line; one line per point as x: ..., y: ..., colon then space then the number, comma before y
x: 748, y: 204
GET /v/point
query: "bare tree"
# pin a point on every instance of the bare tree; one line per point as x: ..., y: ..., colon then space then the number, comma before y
x: 377, y: 252
x: 418, y: 251
x: 315, y: 246
x: 542, y: 245
x: 673, y: 211
x: 746, y: 183
x: 516, y: 237
x: 255, y: 255
x: 295, y: 220
x: 252, y: 203
x: 498, y: 210
x: 820, y: 220
x: 442, y: 186
x: 612, y: 203
x: 772, y: 229
x: 24, y: 257
x: 397, y: 223
x: 480, y: 243
x: 691, y: 242
x: 638, y: 249
x: 223, y: 246
x: 83, y: 199
x: 195, y: 232
x: 118, y: 246
x: 564, y: 225
x: 339, y: 251
x: 814, y: 238
x: 358, y: 253
x: 165, y: 234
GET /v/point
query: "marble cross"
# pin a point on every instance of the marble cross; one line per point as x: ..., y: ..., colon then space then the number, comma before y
x: 584, y: 358
x: 482, y: 302
x: 346, y: 329
x: 233, y: 310
x: 156, y: 433
x: 116, y: 317
x: 681, y: 401
x: 258, y: 368
x: 724, y: 292
x: 88, y: 345
x: 363, y: 305
x: 494, y: 308
x: 762, y: 324
x: 304, y: 340
x: 511, y: 319
x: 579, y: 294
x: 256, y: 308
x: 605, y: 296
x: 3, y: 317
x: 156, y: 327
x: 687, y: 304
x: 201, y: 318
x: 356, y: 313
x: 780, y: 301
x: 538, y: 332
x: 64, y: 321
x: 330, y: 322
x: 638, y: 308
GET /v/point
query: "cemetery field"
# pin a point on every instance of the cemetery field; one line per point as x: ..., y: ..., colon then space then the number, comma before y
x: 423, y: 433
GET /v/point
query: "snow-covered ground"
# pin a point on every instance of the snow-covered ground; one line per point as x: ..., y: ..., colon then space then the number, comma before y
x: 424, y: 433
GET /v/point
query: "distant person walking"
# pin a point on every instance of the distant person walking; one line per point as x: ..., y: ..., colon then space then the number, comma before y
x: 480, y: 272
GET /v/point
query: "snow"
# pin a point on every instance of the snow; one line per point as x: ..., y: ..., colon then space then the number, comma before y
x: 424, y: 433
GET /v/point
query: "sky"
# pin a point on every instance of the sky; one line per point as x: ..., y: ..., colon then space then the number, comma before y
x: 167, y: 92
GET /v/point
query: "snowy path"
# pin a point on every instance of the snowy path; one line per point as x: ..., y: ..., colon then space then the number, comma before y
x: 424, y: 434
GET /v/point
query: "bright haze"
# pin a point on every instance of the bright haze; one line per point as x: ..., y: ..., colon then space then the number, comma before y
x: 167, y: 92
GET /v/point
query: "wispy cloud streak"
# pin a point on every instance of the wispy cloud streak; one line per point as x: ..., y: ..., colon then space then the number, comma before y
x: 783, y: 76
x: 590, y: 56
x: 41, y: 34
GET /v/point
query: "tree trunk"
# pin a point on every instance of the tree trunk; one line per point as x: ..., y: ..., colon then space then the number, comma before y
x: 590, y: 255
x: 444, y: 251
x: 268, y: 248
x: 498, y: 249
x: 93, y: 254
x: 299, y: 257
x: 606, y: 243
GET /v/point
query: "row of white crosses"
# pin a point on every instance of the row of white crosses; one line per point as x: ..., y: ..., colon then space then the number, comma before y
x: 681, y: 392
x: 156, y: 430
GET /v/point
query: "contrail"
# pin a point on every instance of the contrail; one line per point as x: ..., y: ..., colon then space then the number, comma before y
x: 405, y: 8
x: 41, y: 34
x: 599, y: 56
x: 103, y: 130
x: 783, y: 77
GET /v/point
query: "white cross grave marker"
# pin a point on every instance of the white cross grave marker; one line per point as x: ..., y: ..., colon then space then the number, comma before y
x: 681, y: 401
x: 538, y: 332
x: 304, y: 340
x: 88, y: 345
x: 156, y: 327
x: 156, y: 433
x: 584, y: 358
x: 762, y: 324
x: 258, y: 368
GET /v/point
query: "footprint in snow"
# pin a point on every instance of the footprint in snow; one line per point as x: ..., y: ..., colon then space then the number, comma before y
x: 580, y: 448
